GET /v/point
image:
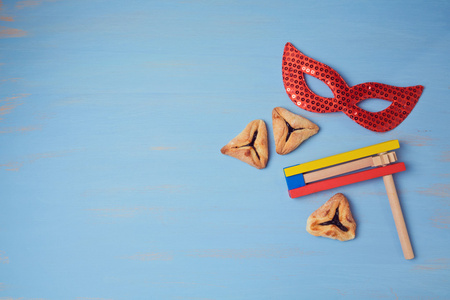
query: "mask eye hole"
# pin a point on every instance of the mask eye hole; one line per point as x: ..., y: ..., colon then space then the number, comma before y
x: 374, y: 104
x: 318, y: 87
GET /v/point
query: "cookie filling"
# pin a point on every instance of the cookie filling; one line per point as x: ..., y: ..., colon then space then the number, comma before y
x: 335, y: 221
x: 252, y: 143
x: 290, y: 130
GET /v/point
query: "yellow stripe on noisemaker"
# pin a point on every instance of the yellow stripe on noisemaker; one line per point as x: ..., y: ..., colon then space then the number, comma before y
x: 342, y: 157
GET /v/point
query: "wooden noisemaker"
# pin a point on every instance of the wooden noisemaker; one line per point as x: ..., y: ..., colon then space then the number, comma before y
x: 350, y: 167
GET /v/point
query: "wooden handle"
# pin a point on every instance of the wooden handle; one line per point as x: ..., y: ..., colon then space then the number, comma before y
x: 398, y: 217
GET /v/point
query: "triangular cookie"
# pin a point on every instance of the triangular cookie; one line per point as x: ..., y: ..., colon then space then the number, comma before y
x: 333, y: 220
x: 250, y: 145
x: 290, y: 130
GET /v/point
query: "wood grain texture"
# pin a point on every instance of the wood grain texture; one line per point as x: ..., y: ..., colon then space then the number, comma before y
x: 112, y: 115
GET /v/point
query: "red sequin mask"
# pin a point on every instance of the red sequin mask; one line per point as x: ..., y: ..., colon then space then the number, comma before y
x: 346, y: 98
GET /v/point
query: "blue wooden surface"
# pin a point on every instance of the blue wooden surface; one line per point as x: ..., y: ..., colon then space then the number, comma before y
x: 112, y: 115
